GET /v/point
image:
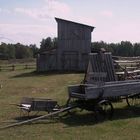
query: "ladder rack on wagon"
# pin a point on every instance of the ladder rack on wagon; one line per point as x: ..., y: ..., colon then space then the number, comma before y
x: 101, y: 86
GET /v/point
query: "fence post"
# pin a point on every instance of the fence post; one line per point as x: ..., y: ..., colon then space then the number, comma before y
x: 0, y: 68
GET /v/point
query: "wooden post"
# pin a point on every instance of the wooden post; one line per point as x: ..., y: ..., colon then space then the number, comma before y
x: 40, y: 117
x: 0, y: 68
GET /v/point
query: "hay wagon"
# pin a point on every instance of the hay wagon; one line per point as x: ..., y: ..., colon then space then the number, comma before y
x: 101, y: 87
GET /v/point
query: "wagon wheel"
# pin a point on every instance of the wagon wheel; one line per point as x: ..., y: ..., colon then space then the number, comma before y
x: 105, y: 109
x: 71, y: 102
x: 133, y: 100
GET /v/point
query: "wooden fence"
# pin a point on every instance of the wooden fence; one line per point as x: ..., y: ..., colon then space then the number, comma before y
x: 17, y: 67
x: 129, y: 68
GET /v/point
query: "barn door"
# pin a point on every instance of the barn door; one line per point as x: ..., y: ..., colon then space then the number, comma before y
x: 70, y: 61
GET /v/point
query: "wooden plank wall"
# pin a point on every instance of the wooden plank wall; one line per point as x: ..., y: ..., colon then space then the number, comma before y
x: 73, y: 38
x: 101, y: 64
x: 74, y: 45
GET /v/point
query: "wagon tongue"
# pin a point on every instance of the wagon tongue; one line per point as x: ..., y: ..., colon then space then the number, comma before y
x: 40, y: 117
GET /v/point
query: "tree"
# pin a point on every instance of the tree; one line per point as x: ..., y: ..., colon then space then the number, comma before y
x: 126, y: 48
x: 55, y: 42
x: 96, y: 46
x: 46, y: 43
x: 112, y: 47
x: 22, y: 51
x: 11, y: 51
x: 136, y: 49
x: 18, y: 51
x: 3, y: 51
x: 34, y: 49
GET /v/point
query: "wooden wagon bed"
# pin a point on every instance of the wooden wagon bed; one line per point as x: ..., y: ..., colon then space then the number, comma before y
x: 101, y: 81
x: 109, y: 89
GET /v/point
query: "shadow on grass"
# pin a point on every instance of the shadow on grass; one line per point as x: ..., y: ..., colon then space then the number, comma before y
x: 24, y: 118
x: 87, y: 118
x: 35, y: 74
x: 90, y: 119
x: 79, y: 119
x: 126, y: 113
x: 26, y: 74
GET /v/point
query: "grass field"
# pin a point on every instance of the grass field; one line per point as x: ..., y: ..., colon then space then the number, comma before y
x: 125, y: 124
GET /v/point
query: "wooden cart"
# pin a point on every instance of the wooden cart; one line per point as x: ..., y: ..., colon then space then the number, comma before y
x: 34, y: 105
x: 101, y: 87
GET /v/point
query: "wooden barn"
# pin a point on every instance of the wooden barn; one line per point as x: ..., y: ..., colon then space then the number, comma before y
x: 71, y: 54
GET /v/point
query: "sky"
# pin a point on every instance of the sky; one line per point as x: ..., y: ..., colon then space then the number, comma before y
x: 28, y: 21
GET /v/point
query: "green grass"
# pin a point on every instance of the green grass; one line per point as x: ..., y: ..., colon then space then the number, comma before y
x: 125, y: 124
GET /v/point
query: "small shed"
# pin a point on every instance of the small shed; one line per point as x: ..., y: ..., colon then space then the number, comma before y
x: 71, y: 54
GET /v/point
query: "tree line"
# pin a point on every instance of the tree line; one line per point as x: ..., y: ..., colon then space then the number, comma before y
x: 20, y: 51
x: 17, y: 51
x: 124, y: 48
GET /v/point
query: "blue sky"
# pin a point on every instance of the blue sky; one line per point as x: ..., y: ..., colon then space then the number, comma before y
x: 28, y: 21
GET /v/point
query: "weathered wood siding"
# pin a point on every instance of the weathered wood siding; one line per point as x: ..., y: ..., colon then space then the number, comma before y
x: 74, y: 46
x: 74, y: 42
x: 46, y: 62
x: 101, y: 63
x: 109, y: 89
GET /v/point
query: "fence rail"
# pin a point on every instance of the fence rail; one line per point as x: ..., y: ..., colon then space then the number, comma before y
x: 17, y: 67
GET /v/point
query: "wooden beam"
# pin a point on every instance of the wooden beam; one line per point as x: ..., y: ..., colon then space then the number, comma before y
x: 39, y: 118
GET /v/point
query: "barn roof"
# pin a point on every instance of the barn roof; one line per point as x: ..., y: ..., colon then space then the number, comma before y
x: 68, y: 21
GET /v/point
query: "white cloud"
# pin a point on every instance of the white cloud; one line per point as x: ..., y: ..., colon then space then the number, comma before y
x: 6, y: 11
x: 28, y: 34
x: 118, y: 32
x: 106, y: 13
x: 48, y: 10
x: 34, y: 33
x: 58, y: 7
x: 34, y: 13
